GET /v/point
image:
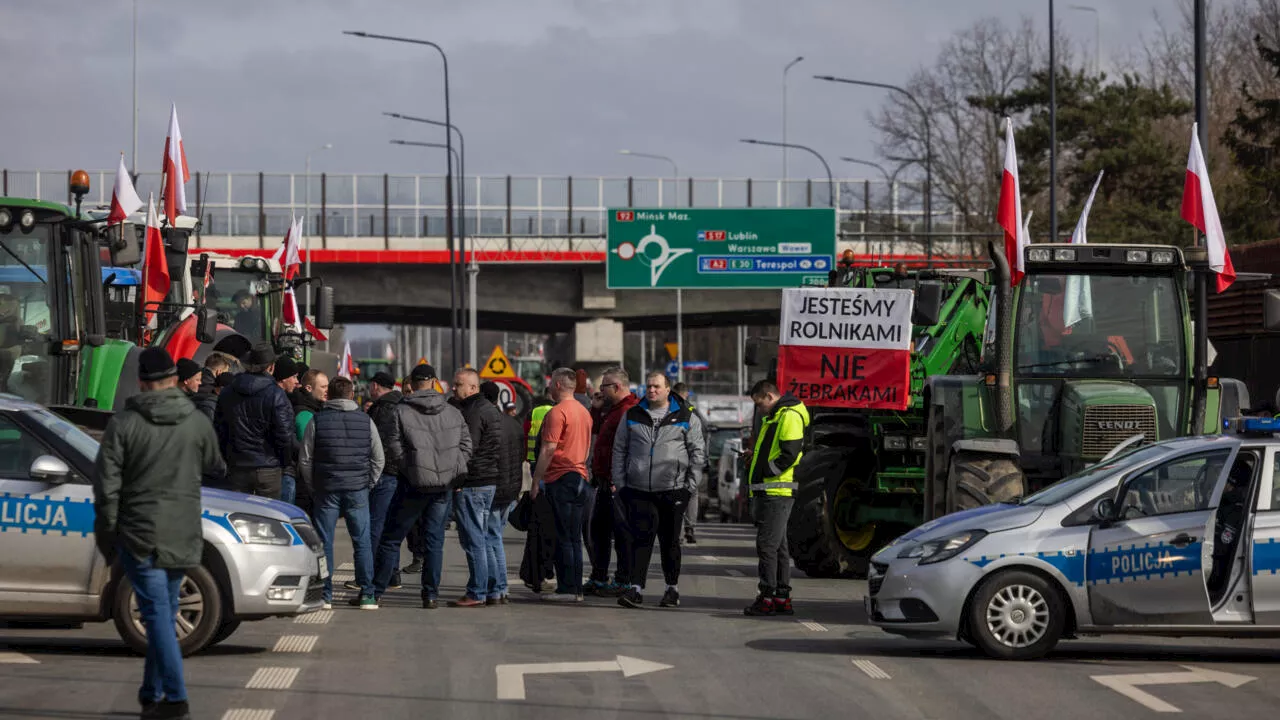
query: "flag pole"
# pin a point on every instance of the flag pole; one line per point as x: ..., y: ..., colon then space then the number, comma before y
x: 1200, y: 376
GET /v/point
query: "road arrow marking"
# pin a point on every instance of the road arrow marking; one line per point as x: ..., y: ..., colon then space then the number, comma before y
x: 1127, y: 685
x: 511, y: 677
x: 17, y: 658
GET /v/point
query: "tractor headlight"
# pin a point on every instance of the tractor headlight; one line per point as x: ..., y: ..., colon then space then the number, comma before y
x: 1137, y: 256
x: 1162, y: 257
x: 28, y: 220
x: 919, y: 443
x: 6, y: 218
x: 1039, y: 255
x: 1064, y: 255
x: 895, y: 442
x: 945, y: 548
x: 255, y: 529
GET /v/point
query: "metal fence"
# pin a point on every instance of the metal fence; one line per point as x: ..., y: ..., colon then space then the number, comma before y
x: 262, y: 205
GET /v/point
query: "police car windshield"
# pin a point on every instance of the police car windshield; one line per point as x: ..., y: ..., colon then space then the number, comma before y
x: 1086, y: 479
x: 69, y: 433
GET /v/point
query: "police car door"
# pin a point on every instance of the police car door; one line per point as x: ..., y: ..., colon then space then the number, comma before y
x: 1265, y: 551
x: 1145, y: 565
x: 46, y: 528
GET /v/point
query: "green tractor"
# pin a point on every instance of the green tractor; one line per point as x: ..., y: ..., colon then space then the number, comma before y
x: 1092, y: 350
x: 862, y: 477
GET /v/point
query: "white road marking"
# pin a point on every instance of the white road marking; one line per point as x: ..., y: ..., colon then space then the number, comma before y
x: 734, y: 573
x: 511, y: 677
x: 710, y: 558
x: 319, y: 617
x: 17, y: 658
x: 295, y: 643
x: 248, y: 714
x: 347, y: 566
x: 272, y: 678
x: 872, y: 670
x: 341, y: 577
x: 1127, y: 685
x: 811, y: 625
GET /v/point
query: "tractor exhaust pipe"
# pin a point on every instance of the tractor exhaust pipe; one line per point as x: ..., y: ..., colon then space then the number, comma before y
x: 1004, y: 341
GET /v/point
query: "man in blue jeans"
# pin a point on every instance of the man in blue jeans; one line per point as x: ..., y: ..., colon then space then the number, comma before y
x: 385, y: 397
x: 476, y: 489
x: 341, y: 459
x: 286, y: 376
x: 511, y: 450
x: 430, y: 442
x: 561, y: 473
x: 147, y: 512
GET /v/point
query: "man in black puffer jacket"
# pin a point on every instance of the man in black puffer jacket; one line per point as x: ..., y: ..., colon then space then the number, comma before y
x: 477, y: 488
x: 511, y: 451
x: 385, y: 396
x: 255, y: 427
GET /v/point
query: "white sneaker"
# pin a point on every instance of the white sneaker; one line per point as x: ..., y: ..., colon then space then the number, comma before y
x: 327, y: 606
x: 562, y: 598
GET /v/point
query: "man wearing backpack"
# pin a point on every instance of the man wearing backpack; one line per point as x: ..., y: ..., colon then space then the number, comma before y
x: 771, y: 482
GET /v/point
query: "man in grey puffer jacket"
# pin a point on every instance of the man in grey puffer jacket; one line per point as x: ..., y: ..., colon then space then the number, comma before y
x: 658, y: 456
x: 430, y: 443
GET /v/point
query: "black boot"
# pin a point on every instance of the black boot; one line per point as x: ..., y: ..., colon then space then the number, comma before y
x: 762, y: 607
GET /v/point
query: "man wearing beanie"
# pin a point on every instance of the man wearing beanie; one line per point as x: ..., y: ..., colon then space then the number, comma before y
x: 147, y: 504
x: 385, y: 397
x: 510, y: 479
x: 286, y: 376
x: 189, y: 376
x: 254, y: 422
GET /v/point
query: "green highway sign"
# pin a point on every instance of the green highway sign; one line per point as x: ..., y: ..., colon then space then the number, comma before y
x: 706, y: 248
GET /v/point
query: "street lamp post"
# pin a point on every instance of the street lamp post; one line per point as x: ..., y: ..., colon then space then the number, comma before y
x: 831, y: 183
x: 785, y: 177
x: 928, y: 147
x: 1053, y: 130
x: 448, y: 182
x: 134, y: 157
x: 306, y: 221
x: 473, y: 269
x: 675, y: 175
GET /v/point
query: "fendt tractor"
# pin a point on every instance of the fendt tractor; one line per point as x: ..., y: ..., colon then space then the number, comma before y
x: 1093, y: 350
x: 862, y: 478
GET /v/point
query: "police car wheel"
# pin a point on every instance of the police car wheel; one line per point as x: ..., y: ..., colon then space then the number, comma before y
x: 225, y: 630
x: 199, y: 613
x: 1016, y: 615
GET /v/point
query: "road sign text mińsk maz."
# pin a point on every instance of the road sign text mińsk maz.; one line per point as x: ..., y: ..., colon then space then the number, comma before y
x: 707, y: 248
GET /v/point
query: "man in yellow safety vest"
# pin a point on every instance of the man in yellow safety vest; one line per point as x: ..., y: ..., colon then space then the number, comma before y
x: 779, y: 447
x: 540, y: 410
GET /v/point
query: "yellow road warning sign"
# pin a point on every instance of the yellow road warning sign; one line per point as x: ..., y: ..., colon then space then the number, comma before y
x: 497, y: 366
x: 673, y: 349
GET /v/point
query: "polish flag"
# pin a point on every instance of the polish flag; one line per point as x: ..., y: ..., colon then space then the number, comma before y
x: 1009, y: 211
x: 311, y: 329
x: 290, y: 309
x: 287, y: 253
x: 155, y: 270
x: 175, y: 171
x: 1200, y: 209
x: 1078, y: 235
x: 124, y: 198
x: 344, y: 365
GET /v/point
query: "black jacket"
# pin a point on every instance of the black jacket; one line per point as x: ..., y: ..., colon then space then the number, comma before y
x: 205, y: 399
x: 484, y: 420
x: 254, y: 422
x: 383, y: 412
x: 511, y: 451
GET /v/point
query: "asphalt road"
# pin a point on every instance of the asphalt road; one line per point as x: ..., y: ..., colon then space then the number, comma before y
x: 405, y: 662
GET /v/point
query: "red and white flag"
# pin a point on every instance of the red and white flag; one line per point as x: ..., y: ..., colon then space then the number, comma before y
x: 1009, y: 211
x: 155, y: 269
x: 1200, y: 209
x: 124, y: 198
x: 314, y: 331
x: 175, y: 171
x: 290, y: 309
x: 287, y: 253
x: 344, y: 365
x: 1078, y: 235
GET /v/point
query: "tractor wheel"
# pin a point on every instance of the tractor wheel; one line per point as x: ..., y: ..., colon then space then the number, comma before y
x: 982, y: 480
x: 820, y: 543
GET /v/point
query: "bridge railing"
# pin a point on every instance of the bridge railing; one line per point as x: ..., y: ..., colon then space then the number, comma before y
x: 370, y: 207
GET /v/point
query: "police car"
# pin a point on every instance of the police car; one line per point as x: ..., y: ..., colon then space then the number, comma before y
x: 1181, y: 537
x: 262, y: 558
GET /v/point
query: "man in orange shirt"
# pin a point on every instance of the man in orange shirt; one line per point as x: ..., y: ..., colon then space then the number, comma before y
x: 561, y: 472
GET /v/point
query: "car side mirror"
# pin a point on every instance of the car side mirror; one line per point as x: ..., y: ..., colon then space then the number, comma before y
x: 324, y: 308
x: 206, y: 324
x: 1104, y: 509
x: 50, y: 469
x: 751, y: 352
x: 927, y: 309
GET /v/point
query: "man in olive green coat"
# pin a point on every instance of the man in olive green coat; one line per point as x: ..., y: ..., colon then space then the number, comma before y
x: 147, y: 498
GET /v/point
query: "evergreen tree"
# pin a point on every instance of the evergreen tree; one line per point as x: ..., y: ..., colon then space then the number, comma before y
x: 1250, y: 212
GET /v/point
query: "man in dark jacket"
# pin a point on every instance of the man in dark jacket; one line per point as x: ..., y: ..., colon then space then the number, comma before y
x: 510, y: 479
x: 188, y: 376
x: 341, y: 459
x: 206, y: 395
x: 285, y: 373
x: 606, y: 524
x: 147, y: 504
x: 431, y: 444
x: 476, y: 491
x: 385, y: 396
x: 307, y: 400
x: 254, y: 420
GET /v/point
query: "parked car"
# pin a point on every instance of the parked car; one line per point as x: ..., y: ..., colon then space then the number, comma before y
x: 1177, y: 538
x: 730, y: 470
x: 262, y: 558
x: 724, y: 417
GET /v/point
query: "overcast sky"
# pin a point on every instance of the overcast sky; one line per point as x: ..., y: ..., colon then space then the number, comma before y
x: 549, y: 87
